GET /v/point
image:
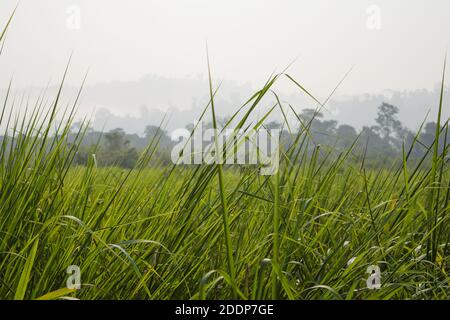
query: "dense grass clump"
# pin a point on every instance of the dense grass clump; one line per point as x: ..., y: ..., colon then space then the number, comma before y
x: 212, y: 232
x: 170, y: 232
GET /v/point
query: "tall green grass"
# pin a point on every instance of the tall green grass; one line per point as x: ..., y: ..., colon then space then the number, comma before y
x: 209, y: 232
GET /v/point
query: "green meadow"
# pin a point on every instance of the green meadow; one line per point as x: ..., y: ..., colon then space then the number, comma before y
x: 162, y: 231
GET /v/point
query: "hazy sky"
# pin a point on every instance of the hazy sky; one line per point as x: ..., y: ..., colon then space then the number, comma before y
x: 396, y: 45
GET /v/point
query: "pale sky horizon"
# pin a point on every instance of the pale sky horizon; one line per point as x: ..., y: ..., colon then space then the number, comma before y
x: 391, y: 45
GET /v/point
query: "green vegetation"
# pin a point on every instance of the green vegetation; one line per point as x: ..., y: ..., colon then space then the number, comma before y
x: 382, y: 143
x: 212, y: 232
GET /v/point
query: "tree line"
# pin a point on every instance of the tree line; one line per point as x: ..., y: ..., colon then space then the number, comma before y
x: 379, y: 144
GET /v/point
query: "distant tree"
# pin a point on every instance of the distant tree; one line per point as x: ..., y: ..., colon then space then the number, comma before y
x: 115, y: 139
x: 409, y: 139
x: 322, y: 131
x: 376, y: 147
x: 345, y: 130
x: 273, y: 125
x: 309, y: 114
x: 346, y: 135
x: 387, y: 121
x: 428, y: 134
x: 151, y: 131
x: 161, y: 138
x: 325, y: 127
x: 118, y: 150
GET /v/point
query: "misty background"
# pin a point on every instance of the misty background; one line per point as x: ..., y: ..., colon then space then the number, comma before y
x: 147, y: 59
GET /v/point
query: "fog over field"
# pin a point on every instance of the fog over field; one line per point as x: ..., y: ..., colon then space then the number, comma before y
x: 249, y: 150
x: 132, y: 105
x: 145, y: 57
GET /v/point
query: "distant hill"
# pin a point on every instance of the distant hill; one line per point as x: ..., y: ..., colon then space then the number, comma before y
x: 133, y: 105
